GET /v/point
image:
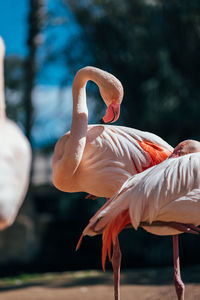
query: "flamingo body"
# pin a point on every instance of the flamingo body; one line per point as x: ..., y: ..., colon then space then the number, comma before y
x: 15, y: 160
x: 111, y: 155
x: 97, y: 159
x: 168, y: 192
x: 164, y: 200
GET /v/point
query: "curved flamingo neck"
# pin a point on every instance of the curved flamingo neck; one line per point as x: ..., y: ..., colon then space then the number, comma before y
x: 2, y: 96
x: 78, y: 132
x: 79, y: 87
x: 86, y: 74
x: 80, y: 111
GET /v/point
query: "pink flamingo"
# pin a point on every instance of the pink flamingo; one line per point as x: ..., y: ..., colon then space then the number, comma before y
x: 98, y: 159
x: 164, y: 200
x: 15, y: 159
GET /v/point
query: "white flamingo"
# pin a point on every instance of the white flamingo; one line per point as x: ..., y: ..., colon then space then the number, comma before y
x: 164, y: 200
x: 98, y: 159
x: 15, y: 160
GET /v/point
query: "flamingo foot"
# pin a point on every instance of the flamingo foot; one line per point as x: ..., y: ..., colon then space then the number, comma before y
x: 116, y: 263
x: 179, y: 285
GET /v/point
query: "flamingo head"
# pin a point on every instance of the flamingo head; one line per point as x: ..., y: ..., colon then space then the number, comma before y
x: 112, y: 94
x: 186, y: 147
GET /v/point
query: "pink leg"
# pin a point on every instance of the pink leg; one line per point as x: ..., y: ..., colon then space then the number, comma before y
x: 179, y: 285
x: 116, y: 262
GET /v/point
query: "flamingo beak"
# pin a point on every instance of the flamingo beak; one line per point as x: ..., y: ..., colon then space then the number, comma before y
x: 112, y: 113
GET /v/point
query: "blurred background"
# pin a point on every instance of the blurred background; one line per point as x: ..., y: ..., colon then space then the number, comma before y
x: 152, y: 47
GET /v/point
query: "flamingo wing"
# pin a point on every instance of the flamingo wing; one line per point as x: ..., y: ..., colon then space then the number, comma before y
x: 113, y: 154
x: 167, y: 192
x: 149, y: 195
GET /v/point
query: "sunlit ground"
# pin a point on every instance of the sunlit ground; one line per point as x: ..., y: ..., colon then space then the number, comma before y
x: 154, y: 284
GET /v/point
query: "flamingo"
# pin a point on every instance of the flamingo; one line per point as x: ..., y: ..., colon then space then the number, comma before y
x: 99, y: 158
x: 15, y: 160
x: 164, y: 200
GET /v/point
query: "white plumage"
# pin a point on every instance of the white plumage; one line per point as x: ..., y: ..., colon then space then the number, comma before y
x: 98, y: 159
x: 168, y: 192
x: 15, y: 160
x: 164, y: 200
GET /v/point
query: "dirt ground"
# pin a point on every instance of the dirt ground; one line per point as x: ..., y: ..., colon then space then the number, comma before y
x: 145, y: 284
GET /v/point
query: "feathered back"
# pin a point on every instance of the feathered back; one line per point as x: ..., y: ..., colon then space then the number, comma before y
x: 167, y: 192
